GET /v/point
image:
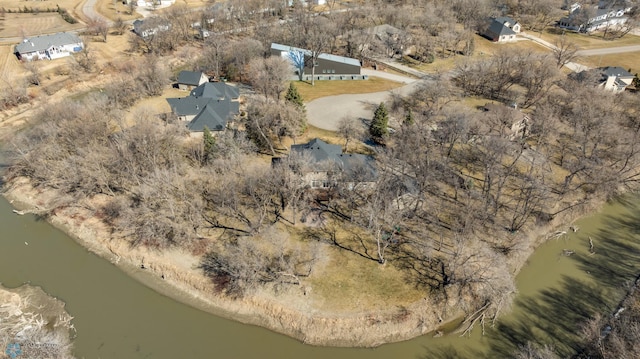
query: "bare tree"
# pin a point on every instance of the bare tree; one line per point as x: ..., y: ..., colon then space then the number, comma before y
x: 350, y: 130
x: 564, y: 51
x: 270, y: 76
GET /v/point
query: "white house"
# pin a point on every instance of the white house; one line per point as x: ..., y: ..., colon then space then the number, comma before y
x: 48, y: 46
x: 611, y: 78
x: 588, y: 19
x: 502, y: 29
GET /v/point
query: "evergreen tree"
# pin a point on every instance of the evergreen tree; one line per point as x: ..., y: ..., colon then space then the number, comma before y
x: 408, y: 119
x: 209, y: 143
x: 293, y: 96
x: 379, y: 125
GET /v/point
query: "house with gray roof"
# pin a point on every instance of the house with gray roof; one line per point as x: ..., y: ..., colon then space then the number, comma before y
x: 150, y: 26
x: 212, y: 104
x: 327, y: 67
x: 188, y: 80
x: 502, y: 29
x: 592, y: 18
x: 611, y: 78
x: 326, y: 165
x: 48, y: 47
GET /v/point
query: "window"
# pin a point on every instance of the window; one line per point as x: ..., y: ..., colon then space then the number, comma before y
x: 324, y: 71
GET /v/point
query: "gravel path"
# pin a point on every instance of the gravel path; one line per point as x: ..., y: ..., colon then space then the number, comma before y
x: 327, y: 112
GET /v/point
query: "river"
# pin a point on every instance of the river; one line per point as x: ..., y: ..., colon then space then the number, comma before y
x: 117, y: 317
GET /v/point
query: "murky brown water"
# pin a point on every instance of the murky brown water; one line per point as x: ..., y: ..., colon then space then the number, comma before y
x: 117, y: 317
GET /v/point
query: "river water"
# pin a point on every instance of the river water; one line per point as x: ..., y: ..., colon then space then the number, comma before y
x: 118, y: 317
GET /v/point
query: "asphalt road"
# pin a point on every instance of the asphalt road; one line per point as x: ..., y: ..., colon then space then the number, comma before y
x: 609, y: 50
x: 326, y: 112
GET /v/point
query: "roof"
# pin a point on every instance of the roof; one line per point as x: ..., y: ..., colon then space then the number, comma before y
x: 217, y: 90
x: 506, y: 19
x: 355, y: 165
x: 44, y: 42
x: 214, y: 116
x: 189, y: 77
x: 498, y: 29
x: 328, y: 57
x: 616, y: 71
x: 188, y: 106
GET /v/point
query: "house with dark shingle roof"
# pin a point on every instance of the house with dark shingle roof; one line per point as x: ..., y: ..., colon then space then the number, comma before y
x: 502, y: 29
x: 48, y: 47
x: 212, y: 104
x: 187, y: 80
x: 326, y: 165
x: 612, y: 78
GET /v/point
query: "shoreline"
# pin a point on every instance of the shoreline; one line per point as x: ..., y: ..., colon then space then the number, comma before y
x: 282, y: 314
x: 351, y: 329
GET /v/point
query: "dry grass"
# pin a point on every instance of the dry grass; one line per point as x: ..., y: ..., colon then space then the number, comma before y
x: 9, y: 64
x: 628, y: 60
x: 114, y: 10
x: 41, y: 4
x: 483, y: 47
x: 331, y: 88
x: 586, y: 41
x: 18, y: 25
x: 349, y: 282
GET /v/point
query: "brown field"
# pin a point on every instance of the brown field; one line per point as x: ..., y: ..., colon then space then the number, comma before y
x: 69, y: 5
x: 18, y: 25
x: 627, y: 61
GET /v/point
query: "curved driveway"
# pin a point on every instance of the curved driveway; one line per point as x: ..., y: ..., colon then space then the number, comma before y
x: 326, y: 112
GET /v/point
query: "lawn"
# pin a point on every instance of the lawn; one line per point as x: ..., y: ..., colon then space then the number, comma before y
x: 588, y: 41
x: 9, y: 64
x: 340, y: 87
x: 628, y: 60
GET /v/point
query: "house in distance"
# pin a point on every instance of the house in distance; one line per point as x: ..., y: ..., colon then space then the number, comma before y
x: 502, y: 29
x: 48, y: 47
x: 188, y: 80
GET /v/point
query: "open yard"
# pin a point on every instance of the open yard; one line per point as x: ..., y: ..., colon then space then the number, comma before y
x: 338, y: 87
x: 18, y: 25
x: 629, y: 60
x: 588, y: 41
x: 115, y: 9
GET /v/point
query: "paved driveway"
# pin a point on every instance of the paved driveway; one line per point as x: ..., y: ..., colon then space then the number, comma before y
x: 326, y: 112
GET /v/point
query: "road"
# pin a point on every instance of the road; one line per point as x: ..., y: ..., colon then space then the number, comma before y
x: 326, y: 112
x: 609, y: 50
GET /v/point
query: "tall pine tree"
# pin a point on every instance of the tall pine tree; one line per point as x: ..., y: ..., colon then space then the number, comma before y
x: 379, y: 125
x: 209, y: 144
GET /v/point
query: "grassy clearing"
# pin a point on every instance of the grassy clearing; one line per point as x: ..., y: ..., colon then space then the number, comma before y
x: 331, y: 88
x: 628, y: 60
x: 115, y: 9
x: 17, y: 25
x: 586, y: 41
x: 9, y: 64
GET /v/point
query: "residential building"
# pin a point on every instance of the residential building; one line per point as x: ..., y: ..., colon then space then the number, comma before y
x: 48, y: 47
x: 590, y: 18
x: 502, y: 29
x: 212, y: 104
x: 327, y: 67
x: 188, y: 80
x: 150, y: 26
x: 611, y: 78
x: 325, y: 165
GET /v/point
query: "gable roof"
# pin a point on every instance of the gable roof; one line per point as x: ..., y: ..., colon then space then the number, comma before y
x: 616, y: 71
x: 214, y: 116
x: 190, y: 77
x: 355, y: 165
x: 506, y: 20
x: 188, y: 106
x: 44, y: 42
x: 218, y: 90
x: 497, y: 28
x: 328, y: 57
